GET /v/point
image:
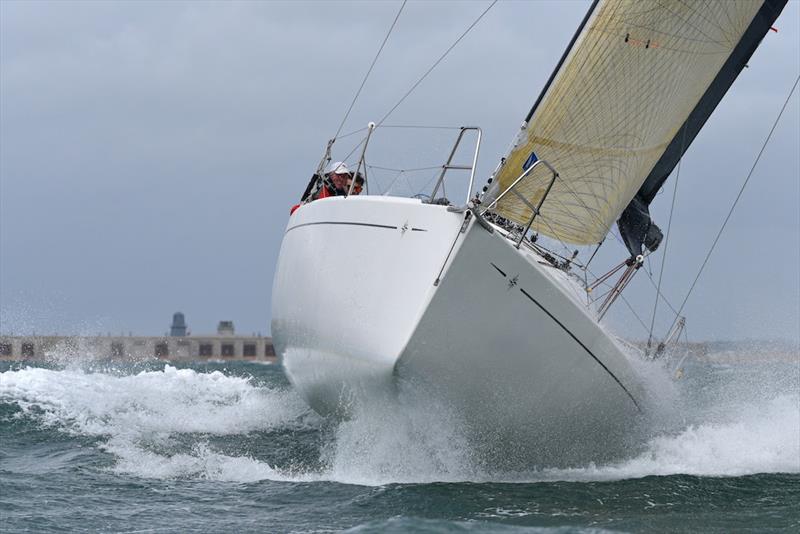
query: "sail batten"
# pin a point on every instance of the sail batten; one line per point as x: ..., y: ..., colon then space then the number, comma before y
x: 612, y: 115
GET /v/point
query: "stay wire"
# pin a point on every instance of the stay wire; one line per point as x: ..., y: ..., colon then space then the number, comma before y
x: 348, y: 134
x: 416, y: 84
x: 621, y: 296
x: 414, y: 126
x: 736, y: 201
x: 666, y: 242
x: 364, y: 81
x: 421, y: 126
x: 436, y: 63
x: 405, y: 170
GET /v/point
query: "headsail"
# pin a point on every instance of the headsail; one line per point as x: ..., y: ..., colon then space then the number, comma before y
x: 633, y: 89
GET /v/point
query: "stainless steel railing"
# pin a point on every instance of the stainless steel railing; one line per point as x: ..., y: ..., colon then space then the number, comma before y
x: 535, y: 210
x: 449, y: 164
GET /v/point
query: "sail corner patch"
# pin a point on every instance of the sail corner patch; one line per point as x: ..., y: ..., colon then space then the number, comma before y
x: 533, y: 158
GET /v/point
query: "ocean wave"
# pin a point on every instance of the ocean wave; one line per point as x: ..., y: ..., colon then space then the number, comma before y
x: 183, y: 423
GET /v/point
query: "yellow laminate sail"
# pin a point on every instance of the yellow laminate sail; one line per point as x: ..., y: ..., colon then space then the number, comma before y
x: 628, y: 83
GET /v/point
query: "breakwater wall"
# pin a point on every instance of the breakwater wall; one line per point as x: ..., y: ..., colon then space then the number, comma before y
x: 179, y: 348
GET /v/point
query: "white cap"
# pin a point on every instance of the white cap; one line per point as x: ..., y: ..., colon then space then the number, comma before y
x: 338, y: 167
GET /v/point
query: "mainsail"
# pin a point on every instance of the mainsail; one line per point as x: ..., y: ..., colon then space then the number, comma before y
x: 631, y: 92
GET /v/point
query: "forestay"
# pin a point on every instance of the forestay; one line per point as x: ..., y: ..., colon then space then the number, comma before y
x: 612, y: 111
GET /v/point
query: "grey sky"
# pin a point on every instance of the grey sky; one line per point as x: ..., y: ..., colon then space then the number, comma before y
x: 150, y: 151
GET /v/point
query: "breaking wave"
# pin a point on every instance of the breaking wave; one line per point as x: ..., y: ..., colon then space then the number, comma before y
x: 184, y: 423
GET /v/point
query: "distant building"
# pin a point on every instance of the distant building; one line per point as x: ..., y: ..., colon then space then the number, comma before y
x: 177, y: 346
x: 225, y: 328
x: 186, y: 348
x: 178, y: 328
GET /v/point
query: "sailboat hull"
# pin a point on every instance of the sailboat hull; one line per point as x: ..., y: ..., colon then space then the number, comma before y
x: 507, y: 343
x: 353, y: 278
x: 452, y: 310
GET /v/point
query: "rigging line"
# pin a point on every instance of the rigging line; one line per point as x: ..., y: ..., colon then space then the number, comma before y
x: 555, y: 236
x: 351, y: 133
x: 736, y: 201
x: 660, y: 294
x: 429, y: 182
x: 630, y: 308
x: 652, y: 283
x: 569, y: 250
x: 556, y: 254
x: 405, y: 170
x: 364, y: 81
x: 391, y: 184
x: 619, y: 240
x: 408, y: 183
x: 600, y: 244
x: 420, y: 127
x: 621, y: 296
x: 354, y: 149
x: 591, y: 212
x: 437, y: 62
x: 666, y: 242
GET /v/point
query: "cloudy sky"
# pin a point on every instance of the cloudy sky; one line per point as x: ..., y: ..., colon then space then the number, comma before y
x: 150, y: 151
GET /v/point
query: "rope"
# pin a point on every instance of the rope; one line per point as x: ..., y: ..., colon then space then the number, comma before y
x: 436, y: 63
x: 364, y: 81
x: 735, y: 202
x: 666, y: 243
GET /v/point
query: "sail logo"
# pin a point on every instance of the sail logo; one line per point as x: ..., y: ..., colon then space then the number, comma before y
x: 533, y: 158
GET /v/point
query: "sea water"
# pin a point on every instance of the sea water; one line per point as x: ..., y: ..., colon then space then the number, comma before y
x: 151, y: 446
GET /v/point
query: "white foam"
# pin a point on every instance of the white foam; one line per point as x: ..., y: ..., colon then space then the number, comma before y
x: 139, y: 417
x: 410, y: 442
x: 762, y: 438
x: 132, y: 412
x: 201, y: 462
x: 172, y: 400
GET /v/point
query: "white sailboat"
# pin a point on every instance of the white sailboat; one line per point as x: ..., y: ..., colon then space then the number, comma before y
x: 374, y: 294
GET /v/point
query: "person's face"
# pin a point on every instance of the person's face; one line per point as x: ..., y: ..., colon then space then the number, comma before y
x: 356, y: 188
x: 340, y: 181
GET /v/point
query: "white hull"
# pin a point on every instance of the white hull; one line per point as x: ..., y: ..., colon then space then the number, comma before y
x: 501, y: 339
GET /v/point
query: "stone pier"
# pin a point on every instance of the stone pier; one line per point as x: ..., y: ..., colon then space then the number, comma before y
x: 179, y: 348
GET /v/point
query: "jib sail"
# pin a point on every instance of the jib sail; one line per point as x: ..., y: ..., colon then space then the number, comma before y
x: 634, y: 87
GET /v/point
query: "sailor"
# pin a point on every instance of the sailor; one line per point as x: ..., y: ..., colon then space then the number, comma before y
x: 340, y: 176
x: 333, y: 184
x: 358, y: 187
x: 336, y: 182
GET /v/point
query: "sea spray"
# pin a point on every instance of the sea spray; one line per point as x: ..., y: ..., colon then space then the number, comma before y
x: 208, y: 425
x: 411, y: 440
x: 140, y: 418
